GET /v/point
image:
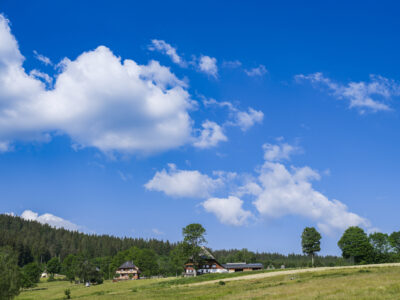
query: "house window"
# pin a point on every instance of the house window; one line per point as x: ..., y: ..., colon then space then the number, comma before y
x: 214, y: 265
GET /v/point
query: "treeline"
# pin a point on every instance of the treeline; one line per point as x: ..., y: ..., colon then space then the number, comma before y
x: 276, y: 260
x: 41, y: 242
x: 88, y: 257
x: 36, y: 242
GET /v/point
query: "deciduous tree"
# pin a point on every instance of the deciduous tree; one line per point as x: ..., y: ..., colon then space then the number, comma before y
x: 354, y: 244
x: 394, y: 239
x: 311, y: 242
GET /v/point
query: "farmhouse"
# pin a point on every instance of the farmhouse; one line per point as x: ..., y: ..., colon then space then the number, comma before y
x: 208, y: 265
x: 127, y: 271
x: 242, y: 267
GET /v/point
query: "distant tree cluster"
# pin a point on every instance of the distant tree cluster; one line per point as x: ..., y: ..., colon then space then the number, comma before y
x: 376, y: 247
x: 357, y: 246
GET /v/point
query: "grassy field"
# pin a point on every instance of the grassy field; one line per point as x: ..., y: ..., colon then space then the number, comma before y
x: 364, y: 283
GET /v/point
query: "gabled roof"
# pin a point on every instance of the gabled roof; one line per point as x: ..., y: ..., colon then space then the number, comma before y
x: 127, y: 265
x: 205, y: 253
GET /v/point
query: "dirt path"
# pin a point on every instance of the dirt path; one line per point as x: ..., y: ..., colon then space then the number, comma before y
x: 290, y: 272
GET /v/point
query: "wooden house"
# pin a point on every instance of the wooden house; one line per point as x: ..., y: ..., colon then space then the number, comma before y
x: 127, y: 271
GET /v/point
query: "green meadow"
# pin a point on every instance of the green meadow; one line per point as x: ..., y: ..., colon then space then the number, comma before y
x: 357, y: 283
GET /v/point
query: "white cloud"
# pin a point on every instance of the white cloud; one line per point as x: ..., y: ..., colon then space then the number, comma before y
x: 43, y: 58
x: 242, y: 119
x: 157, y: 231
x: 208, y: 65
x: 258, y: 71
x: 49, y: 219
x: 363, y: 96
x: 232, y: 64
x: 228, y: 210
x: 290, y: 192
x: 183, y: 183
x: 41, y: 75
x: 278, y: 152
x: 246, y: 119
x: 211, y: 135
x: 167, y: 49
x: 98, y: 100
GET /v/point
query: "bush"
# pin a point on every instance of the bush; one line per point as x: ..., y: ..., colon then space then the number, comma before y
x: 30, y: 275
x: 221, y: 282
x: 67, y: 293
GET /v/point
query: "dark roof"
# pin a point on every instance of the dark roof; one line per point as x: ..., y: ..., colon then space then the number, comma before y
x: 127, y: 265
x: 242, y: 265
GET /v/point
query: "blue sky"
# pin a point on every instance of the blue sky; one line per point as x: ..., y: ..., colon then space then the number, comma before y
x: 256, y: 119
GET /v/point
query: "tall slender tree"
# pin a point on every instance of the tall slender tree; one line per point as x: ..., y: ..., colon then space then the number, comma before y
x: 193, y: 240
x: 311, y: 242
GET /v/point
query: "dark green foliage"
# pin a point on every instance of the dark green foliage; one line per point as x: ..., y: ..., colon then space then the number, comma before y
x: 193, y: 234
x: 68, y: 267
x: 354, y: 244
x: 30, y: 275
x: 10, y: 277
x: 381, y: 247
x: 193, y: 239
x: 311, y: 242
x: 177, y: 259
x: 86, y: 270
x: 32, y: 240
x: 67, y: 294
x: 221, y: 282
x: 394, y: 239
x: 145, y: 259
x: 53, y: 266
x: 40, y: 242
x: 275, y: 259
x: 24, y: 255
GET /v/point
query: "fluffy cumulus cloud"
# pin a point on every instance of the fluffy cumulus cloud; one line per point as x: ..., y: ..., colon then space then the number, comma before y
x: 246, y: 119
x: 167, y: 49
x: 49, y: 219
x: 97, y: 99
x: 281, y: 191
x: 372, y: 96
x: 278, y: 152
x: 228, y: 210
x: 183, y: 183
x: 278, y: 190
x: 208, y: 65
x: 210, y: 136
x: 258, y: 71
x: 240, y: 118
